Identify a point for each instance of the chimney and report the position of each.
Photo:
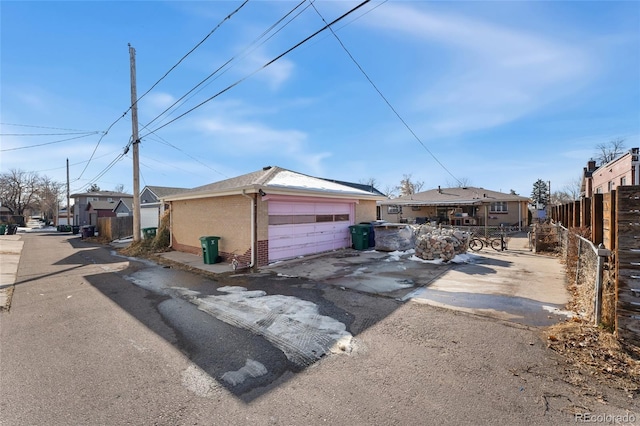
(591, 165)
(439, 190)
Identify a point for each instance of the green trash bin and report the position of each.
(149, 233)
(3, 229)
(360, 236)
(209, 249)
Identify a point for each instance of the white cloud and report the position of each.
(239, 136)
(496, 74)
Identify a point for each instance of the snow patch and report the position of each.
(251, 369)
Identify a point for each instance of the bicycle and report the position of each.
(477, 243)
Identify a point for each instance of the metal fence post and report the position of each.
(602, 253)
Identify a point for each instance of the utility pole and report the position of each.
(136, 163)
(68, 205)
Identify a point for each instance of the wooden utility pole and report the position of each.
(68, 205)
(136, 164)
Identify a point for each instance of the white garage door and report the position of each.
(300, 228)
(149, 217)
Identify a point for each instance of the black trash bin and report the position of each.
(12, 229)
(88, 231)
(75, 229)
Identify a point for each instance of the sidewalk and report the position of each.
(10, 250)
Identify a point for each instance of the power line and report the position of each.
(154, 85)
(164, 141)
(47, 143)
(45, 127)
(243, 54)
(49, 134)
(265, 65)
(385, 98)
(193, 49)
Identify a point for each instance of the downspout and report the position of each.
(170, 222)
(253, 228)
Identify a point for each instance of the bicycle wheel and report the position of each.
(475, 244)
(496, 244)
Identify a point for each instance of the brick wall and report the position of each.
(226, 217)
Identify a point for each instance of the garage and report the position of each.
(302, 228)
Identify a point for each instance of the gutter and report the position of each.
(253, 228)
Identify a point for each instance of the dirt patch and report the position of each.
(597, 353)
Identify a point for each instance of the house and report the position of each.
(151, 209)
(624, 170)
(124, 207)
(268, 215)
(459, 207)
(81, 200)
(62, 217)
(97, 209)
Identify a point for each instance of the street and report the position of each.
(94, 338)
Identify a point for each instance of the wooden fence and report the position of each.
(614, 220)
(114, 228)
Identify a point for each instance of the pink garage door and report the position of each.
(300, 228)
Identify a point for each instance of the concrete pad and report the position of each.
(196, 261)
(10, 250)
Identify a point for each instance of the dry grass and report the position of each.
(598, 353)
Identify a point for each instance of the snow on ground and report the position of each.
(293, 325)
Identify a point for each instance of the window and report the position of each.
(306, 218)
(498, 207)
(599, 190)
(394, 209)
(623, 180)
(415, 208)
(94, 199)
(610, 185)
(110, 200)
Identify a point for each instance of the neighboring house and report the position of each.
(62, 217)
(97, 209)
(151, 209)
(624, 170)
(124, 207)
(6, 214)
(81, 200)
(269, 215)
(459, 207)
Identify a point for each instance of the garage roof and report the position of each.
(276, 180)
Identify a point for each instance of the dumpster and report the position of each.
(209, 249)
(359, 236)
(88, 231)
(12, 229)
(3, 229)
(372, 235)
(75, 229)
(149, 233)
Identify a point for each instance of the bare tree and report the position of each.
(119, 188)
(94, 188)
(370, 182)
(18, 190)
(463, 182)
(608, 152)
(573, 189)
(408, 187)
(48, 197)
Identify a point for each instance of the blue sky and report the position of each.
(499, 94)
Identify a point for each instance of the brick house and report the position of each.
(268, 215)
(459, 207)
(624, 170)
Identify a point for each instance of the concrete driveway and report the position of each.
(515, 285)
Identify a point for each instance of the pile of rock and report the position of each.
(434, 243)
